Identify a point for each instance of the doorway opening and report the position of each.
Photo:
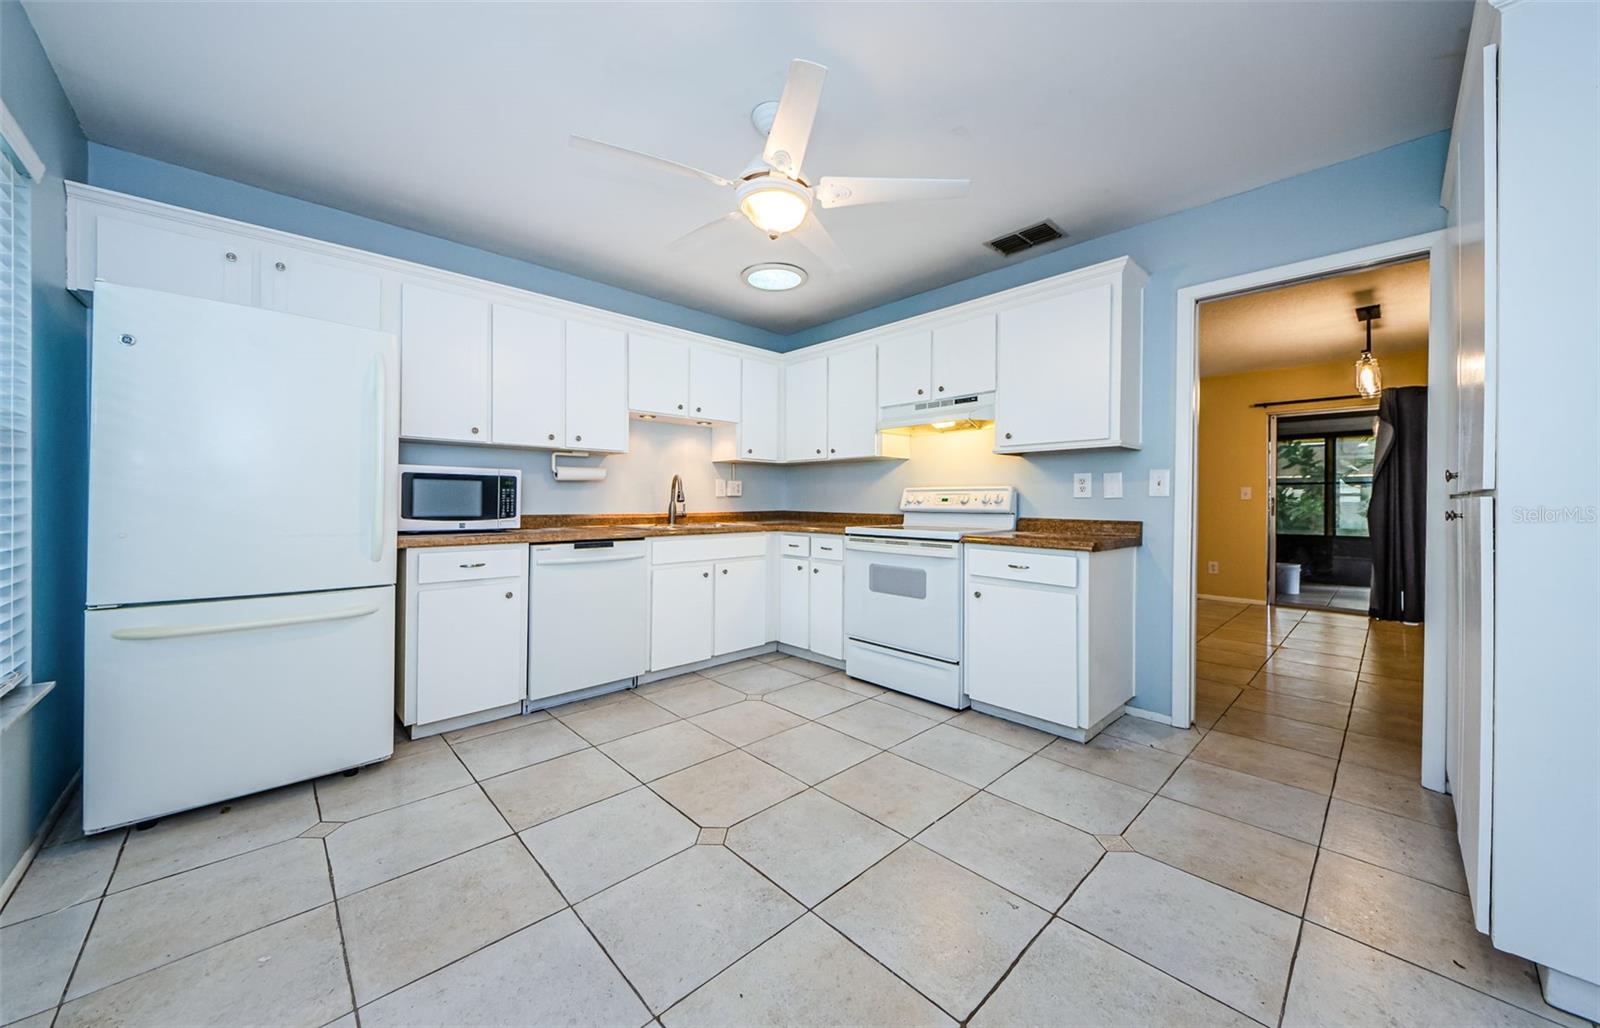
(1319, 488)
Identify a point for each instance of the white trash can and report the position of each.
(1289, 579)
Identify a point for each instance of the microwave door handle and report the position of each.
(380, 400)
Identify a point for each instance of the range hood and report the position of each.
(967, 411)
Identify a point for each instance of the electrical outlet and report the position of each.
(1112, 483)
(1082, 484)
(1160, 482)
(736, 488)
(1245, 492)
(720, 488)
(1211, 567)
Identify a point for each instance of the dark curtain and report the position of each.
(1397, 518)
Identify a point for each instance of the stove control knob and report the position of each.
(965, 499)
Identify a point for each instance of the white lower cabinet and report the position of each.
(1049, 636)
(794, 602)
(811, 593)
(708, 597)
(681, 615)
(826, 606)
(739, 615)
(464, 632)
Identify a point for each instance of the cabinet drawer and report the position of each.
(1034, 566)
(794, 546)
(827, 547)
(453, 564)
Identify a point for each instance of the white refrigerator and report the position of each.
(239, 630)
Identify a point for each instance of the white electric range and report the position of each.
(902, 607)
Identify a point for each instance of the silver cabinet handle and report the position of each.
(976, 594)
(281, 266)
(680, 406)
(751, 450)
(1008, 435)
(230, 257)
(1451, 476)
(724, 571)
(551, 436)
(919, 392)
(479, 564)
(816, 571)
(508, 596)
(180, 631)
(1017, 567)
(474, 429)
(577, 438)
(941, 389)
(800, 567)
(1452, 515)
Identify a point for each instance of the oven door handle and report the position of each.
(909, 548)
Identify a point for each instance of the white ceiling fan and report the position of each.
(772, 192)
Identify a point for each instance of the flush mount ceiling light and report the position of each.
(774, 278)
(1369, 377)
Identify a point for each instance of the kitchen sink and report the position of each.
(694, 524)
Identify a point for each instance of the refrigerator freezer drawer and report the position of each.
(192, 703)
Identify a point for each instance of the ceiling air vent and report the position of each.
(1025, 239)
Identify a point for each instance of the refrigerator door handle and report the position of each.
(181, 631)
(380, 401)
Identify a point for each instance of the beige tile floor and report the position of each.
(775, 842)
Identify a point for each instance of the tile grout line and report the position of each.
(338, 922)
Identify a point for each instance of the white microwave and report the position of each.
(437, 499)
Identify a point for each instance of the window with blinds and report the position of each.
(16, 301)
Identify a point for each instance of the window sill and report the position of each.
(15, 705)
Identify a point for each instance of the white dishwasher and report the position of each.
(588, 616)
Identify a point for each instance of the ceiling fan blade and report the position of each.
(612, 150)
(797, 109)
(847, 192)
(705, 231)
(815, 238)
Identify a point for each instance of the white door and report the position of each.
(1053, 370)
(192, 703)
(597, 388)
(472, 638)
(759, 405)
(444, 365)
(963, 357)
(658, 375)
(713, 384)
(904, 363)
(681, 603)
(794, 602)
(827, 608)
(1477, 261)
(805, 410)
(235, 451)
(1022, 649)
(530, 384)
(853, 403)
(741, 606)
(1474, 638)
(297, 282)
(206, 264)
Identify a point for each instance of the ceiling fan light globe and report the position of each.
(775, 206)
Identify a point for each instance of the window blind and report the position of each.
(16, 301)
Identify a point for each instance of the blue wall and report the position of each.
(43, 751)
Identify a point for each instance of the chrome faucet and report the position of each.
(676, 504)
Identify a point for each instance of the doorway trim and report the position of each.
(1271, 525)
(1433, 245)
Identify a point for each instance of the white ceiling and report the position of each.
(453, 118)
(1315, 322)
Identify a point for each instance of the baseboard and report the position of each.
(45, 828)
(1231, 599)
(1148, 715)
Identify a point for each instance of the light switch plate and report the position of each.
(1245, 492)
(721, 488)
(736, 488)
(1083, 484)
(1160, 482)
(1111, 484)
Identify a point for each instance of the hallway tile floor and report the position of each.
(775, 842)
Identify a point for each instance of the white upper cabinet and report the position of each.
(1067, 366)
(853, 403)
(755, 436)
(658, 375)
(597, 387)
(316, 286)
(805, 410)
(444, 365)
(714, 385)
(905, 368)
(963, 358)
(192, 262)
(530, 378)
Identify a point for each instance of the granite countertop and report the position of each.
(537, 529)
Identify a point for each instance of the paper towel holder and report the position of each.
(572, 473)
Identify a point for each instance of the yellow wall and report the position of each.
(1233, 454)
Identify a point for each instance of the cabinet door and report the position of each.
(471, 642)
(658, 375)
(904, 361)
(206, 264)
(759, 406)
(794, 604)
(1022, 649)
(314, 286)
(713, 385)
(1053, 370)
(805, 410)
(680, 615)
(827, 608)
(963, 357)
(741, 605)
(853, 403)
(444, 365)
(597, 387)
(530, 386)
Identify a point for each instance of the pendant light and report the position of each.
(1369, 377)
